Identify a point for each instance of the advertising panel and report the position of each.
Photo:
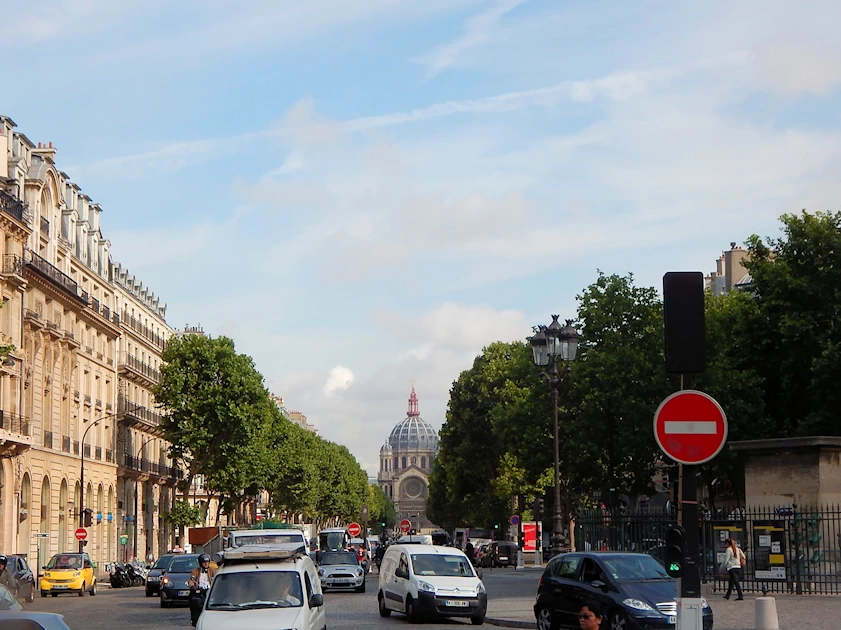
(769, 550)
(721, 532)
(529, 536)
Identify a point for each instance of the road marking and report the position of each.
(693, 427)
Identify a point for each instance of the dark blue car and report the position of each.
(633, 588)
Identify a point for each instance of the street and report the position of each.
(130, 608)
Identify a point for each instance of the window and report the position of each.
(591, 572)
(403, 461)
(566, 567)
(404, 563)
(423, 463)
(308, 585)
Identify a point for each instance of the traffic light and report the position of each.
(675, 546)
(87, 517)
(538, 509)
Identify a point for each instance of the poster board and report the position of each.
(721, 532)
(529, 536)
(769, 550)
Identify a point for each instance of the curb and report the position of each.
(511, 623)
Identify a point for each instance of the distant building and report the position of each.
(730, 272)
(192, 330)
(294, 416)
(405, 463)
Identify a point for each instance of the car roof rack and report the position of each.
(252, 553)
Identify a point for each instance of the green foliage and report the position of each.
(184, 514)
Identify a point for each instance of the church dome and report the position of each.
(413, 433)
(385, 449)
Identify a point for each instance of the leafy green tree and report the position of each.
(184, 514)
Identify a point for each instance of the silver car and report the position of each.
(340, 569)
(35, 620)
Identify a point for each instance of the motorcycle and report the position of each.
(120, 577)
(136, 575)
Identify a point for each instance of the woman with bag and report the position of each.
(734, 561)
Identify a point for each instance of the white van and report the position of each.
(430, 581)
(240, 537)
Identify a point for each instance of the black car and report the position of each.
(153, 579)
(174, 587)
(22, 574)
(633, 588)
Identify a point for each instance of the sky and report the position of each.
(365, 193)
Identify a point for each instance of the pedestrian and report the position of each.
(200, 580)
(6, 578)
(590, 615)
(468, 551)
(734, 561)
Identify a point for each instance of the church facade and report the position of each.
(405, 463)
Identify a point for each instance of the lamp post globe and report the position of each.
(550, 344)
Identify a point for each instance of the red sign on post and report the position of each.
(690, 427)
(81, 533)
(405, 526)
(354, 529)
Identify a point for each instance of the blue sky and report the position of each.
(363, 193)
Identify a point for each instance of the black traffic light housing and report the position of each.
(87, 517)
(538, 509)
(675, 551)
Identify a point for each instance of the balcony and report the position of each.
(33, 318)
(134, 414)
(131, 365)
(97, 452)
(14, 208)
(153, 469)
(13, 267)
(52, 273)
(54, 330)
(70, 338)
(108, 406)
(48, 439)
(87, 400)
(16, 425)
(98, 404)
(76, 395)
(45, 227)
(143, 330)
(65, 443)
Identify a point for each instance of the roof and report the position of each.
(415, 549)
(777, 444)
(252, 553)
(413, 433)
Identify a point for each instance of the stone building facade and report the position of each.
(405, 463)
(87, 340)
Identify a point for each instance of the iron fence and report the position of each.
(789, 549)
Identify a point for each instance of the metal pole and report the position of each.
(557, 518)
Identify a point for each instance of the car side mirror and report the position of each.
(316, 600)
(44, 567)
(401, 573)
(598, 584)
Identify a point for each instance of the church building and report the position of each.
(405, 463)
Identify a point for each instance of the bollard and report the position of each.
(520, 564)
(766, 614)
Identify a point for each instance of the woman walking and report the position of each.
(734, 560)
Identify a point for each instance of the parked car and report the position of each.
(23, 576)
(430, 581)
(340, 569)
(504, 553)
(32, 621)
(633, 588)
(174, 588)
(68, 573)
(153, 579)
(8, 601)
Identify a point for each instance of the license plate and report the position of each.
(183, 593)
(59, 587)
(503, 557)
(457, 603)
(341, 582)
(673, 620)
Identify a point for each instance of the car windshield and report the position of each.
(163, 562)
(183, 564)
(255, 589)
(633, 568)
(338, 557)
(65, 561)
(267, 539)
(433, 564)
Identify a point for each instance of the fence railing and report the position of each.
(794, 549)
(14, 424)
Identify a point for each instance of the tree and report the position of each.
(184, 514)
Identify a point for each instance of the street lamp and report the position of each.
(82, 478)
(549, 344)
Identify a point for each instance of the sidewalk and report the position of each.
(795, 612)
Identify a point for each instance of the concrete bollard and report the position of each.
(766, 614)
(520, 564)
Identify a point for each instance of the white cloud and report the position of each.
(339, 379)
(794, 69)
(478, 30)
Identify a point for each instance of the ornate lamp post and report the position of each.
(549, 344)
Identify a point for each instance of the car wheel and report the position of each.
(43, 593)
(164, 604)
(411, 613)
(93, 589)
(82, 592)
(618, 621)
(360, 588)
(545, 620)
(384, 612)
(478, 620)
(54, 594)
(149, 593)
(30, 596)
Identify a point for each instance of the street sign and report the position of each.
(515, 520)
(123, 539)
(354, 529)
(81, 533)
(405, 526)
(41, 535)
(690, 427)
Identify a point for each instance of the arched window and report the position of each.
(44, 528)
(403, 461)
(62, 515)
(423, 463)
(395, 464)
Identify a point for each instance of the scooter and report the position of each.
(119, 576)
(136, 576)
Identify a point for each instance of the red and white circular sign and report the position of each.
(81, 533)
(354, 529)
(405, 526)
(690, 427)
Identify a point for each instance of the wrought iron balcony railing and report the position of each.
(140, 367)
(137, 326)
(13, 207)
(14, 424)
(48, 439)
(13, 264)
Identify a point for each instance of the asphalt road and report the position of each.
(130, 608)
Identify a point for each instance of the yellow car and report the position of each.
(68, 573)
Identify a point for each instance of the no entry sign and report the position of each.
(354, 530)
(690, 427)
(405, 526)
(81, 533)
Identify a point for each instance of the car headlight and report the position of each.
(704, 603)
(636, 604)
(360, 572)
(480, 588)
(77, 574)
(321, 572)
(165, 581)
(426, 586)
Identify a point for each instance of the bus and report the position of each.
(333, 539)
